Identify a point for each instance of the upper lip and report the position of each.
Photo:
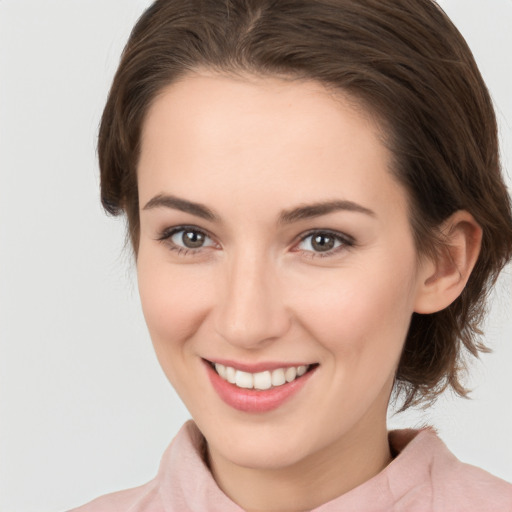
(257, 367)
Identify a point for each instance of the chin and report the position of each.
(268, 456)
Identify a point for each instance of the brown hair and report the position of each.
(406, 63)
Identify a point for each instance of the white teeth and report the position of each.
(290, 373)
(221, 370)
(261, 380)
(244, 380)
(278, 378)
(230, 374)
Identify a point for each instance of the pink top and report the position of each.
(425, 476)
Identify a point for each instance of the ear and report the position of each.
(442, 279)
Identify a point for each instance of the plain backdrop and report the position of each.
(84, 406)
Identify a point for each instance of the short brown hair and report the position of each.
(406, 63)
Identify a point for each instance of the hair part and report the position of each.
(407, 65)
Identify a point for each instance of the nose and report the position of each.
(250, 312)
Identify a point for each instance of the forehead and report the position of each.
(294, 141)
(213, 105)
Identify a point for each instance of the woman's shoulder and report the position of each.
(140, 498)
(452, 484)
(183, 482)
(135, 499)
(144, 497)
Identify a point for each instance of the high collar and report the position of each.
(184, 478)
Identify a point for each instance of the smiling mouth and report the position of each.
(261, 381)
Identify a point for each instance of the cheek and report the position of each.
(361, 321)
(174, 299)
(358, 313)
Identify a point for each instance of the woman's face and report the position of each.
(273, 238)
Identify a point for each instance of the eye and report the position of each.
(185, 239)
(324, 243)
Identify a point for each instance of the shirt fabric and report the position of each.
(424, 477)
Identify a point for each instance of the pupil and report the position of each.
(322, 242)
(192, 239)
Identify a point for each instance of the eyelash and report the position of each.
(346, 241)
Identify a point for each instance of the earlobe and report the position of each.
(442, 279)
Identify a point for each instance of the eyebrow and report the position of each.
(309, 211)
(176, 203)
(302, 212)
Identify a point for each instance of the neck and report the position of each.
(311, 482)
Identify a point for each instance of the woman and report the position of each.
(317, 213)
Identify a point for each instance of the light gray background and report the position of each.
(84, 406)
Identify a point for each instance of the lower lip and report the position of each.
(255, 401)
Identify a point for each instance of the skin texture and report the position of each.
(259, 291)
